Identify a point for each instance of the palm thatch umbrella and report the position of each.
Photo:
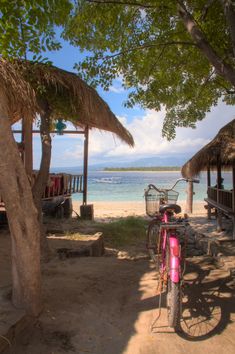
(20, 96)
(71, 99)
(221, 150)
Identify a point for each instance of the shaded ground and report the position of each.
(104, 305)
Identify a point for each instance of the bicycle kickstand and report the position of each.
(159, 307)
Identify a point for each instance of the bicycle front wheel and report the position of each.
(173, 304)
(174, 296)
(153, 239)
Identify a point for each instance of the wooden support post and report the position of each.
(219, 183)
(233, 176)
(233, 182)
(85, 165)
(27, 140)
(86, 211)
(189, 203)
(208, 185)
(219, 221)
(219, 179)
(208, 176)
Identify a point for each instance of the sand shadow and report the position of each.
(208, 301)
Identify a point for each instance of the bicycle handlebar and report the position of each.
(152, 186)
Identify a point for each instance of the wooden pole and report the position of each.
(208, 185)
(233, 176)
(208, 176)
(85, 165)
(233, 182)
(219, 176)
(189, 205)
(27, 139)
(219, 183)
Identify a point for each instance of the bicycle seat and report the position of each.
(164, 207)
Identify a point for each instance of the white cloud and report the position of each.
(117, 85)
(147, 130)
(116, 89)
(147, 133)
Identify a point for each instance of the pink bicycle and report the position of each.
(166, 243)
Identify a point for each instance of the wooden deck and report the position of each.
(62, 184)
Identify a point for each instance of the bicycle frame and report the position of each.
(165, 250)
(174, 245)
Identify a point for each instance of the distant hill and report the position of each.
(173, 160)
(167, 161)
(153, 168)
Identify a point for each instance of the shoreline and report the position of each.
(130, 208)
(138, 171)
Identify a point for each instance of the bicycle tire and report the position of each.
(173, 297)
(152, 240)
(173, 304)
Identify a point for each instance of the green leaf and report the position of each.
(156, 55)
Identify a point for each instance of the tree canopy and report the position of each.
(179, 55)
(28, 26)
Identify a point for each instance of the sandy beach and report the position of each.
(108, 209)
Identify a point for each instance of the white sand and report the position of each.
(122, 209)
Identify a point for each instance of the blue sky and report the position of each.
(145, 126)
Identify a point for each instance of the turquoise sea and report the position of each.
(129, 186)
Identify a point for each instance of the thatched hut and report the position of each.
(220, 151)
(62, 94)
(71, 99)
(218, 155)
(20, 96)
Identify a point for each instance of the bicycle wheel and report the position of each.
(173, 304)
(173, 297)
(153, 239)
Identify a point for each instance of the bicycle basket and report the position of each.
(152, 201)
(171, 196)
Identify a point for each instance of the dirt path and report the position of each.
(106, 305)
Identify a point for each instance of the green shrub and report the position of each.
(125, 231)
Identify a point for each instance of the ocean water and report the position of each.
(130, 186)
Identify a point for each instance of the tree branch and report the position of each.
(228, 91)
(130, 3)
(222, 68)
(230, 19)
(205, 9)
(150, 45)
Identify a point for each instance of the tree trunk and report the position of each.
(42, 176)
(223, 69)
(22, 218)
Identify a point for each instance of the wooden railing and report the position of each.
(63, 184)
(222, 197)
(60, 185)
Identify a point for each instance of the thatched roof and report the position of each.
(220, 149)
(19, 93)
(71, 99)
